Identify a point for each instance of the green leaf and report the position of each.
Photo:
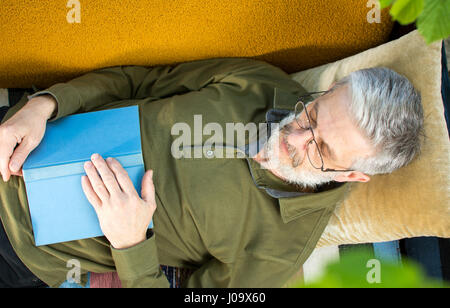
(434, 22)
(406, 11)
(385, 3)
(353, 271)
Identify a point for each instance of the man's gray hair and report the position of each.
(388, 110)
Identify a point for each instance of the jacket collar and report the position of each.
(296, 207)
(295, 202)
(287, 99)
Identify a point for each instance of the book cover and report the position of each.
(60, 212)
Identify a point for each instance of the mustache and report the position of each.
(285, 131)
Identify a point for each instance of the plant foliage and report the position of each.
(432, 17)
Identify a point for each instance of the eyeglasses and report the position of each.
(312, 149)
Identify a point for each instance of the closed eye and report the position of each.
(313, 116)
(325, 150)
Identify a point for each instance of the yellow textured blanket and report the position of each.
(48, 41)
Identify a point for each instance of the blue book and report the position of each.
(60, 212)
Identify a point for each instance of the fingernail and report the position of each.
(109, 160)
(95, 156)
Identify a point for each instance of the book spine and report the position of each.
(77, 168)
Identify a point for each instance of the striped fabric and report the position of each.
(3, 111)
(176, 276)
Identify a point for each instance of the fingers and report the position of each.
(7, 144)
(25, 129)
(112, 179)
(12, 165)
(148, 188)
(20, 154)
(18, 173)
(96, 182)
(4, 169)
(90, 193)
(106, 174)
(121, 175)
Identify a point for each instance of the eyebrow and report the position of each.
(329, 150)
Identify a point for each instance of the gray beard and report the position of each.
(292, 173)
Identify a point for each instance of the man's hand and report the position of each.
(22, 133)
(124, 217)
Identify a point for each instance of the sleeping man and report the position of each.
(250, 219)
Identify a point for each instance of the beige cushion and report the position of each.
(412, 201)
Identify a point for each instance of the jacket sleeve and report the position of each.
(138, 266)
(99, 88)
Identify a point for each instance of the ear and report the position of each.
(352, 176)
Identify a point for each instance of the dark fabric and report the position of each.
(13, 273)
(445, 86)
(3, 111)
(15, 94)
(176, 276)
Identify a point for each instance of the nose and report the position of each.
(299, 138)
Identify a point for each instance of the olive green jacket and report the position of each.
(228, 219)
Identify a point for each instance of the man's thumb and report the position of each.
(148, 189)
